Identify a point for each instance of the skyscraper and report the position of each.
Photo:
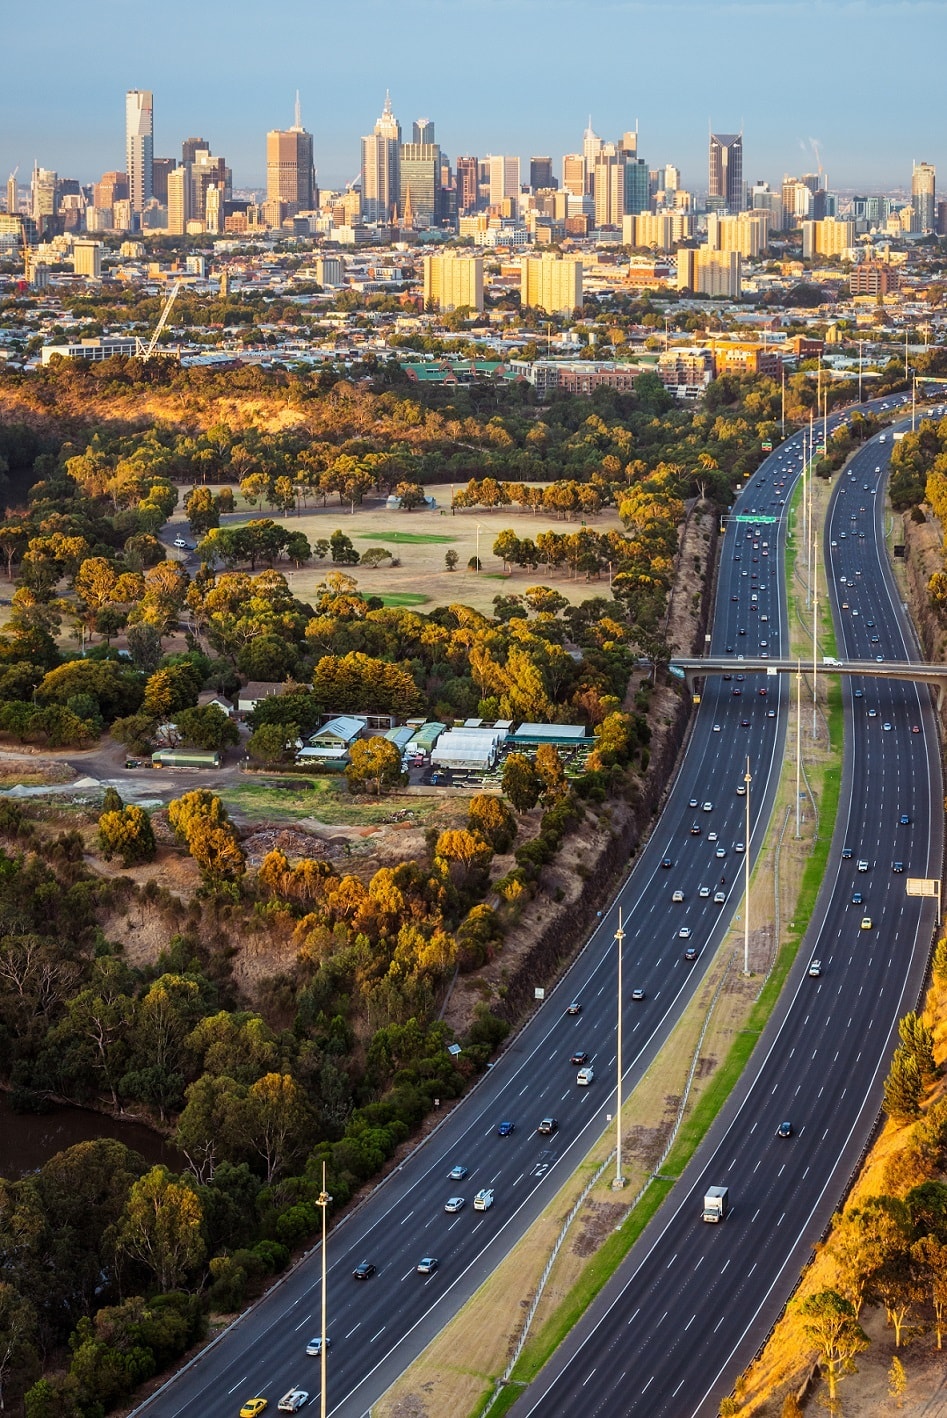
(139, 146)
(923, 197)
(504, 179)
(419, 176)
(573, 174)
(540, 175)
(620, 185)
(467, 182)
(381, 163)
(591, 147)
(725, 176)
(290, 175)
(13, 196)
(422, 131)
(43, 195)
(551, 283)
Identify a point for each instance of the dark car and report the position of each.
(505, 1128)
(666, 863)
(695, 829)
(690, 953)
(904, 819)
(363, 1270)
(574, 1008)
(784, 1130)
(579, 1057)
(548, 1126)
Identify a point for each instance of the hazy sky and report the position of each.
(861, 77)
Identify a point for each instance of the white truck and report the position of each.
(483, 1200)
(716, 1203)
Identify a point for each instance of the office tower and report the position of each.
(725, 178)
(798, 202)
(419, 178)
(208, 172)
(453, 281)
(422, 131)
(540, 175)
(290, 175)
(43, 198)
(923, 197)
(87, 259)
(672, 177)
(591, 147)
(190, 146)
(827, 238)
(381, 160)
(467, 182)
(179, 199)
(504, 179)
(160, 168)
(620, 185)
(139, 146)
(551, 283)
(573, 174)
(13, 196)
(710, 272)
(111, 187)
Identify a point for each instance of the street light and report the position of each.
(323, 1201)
(746, 872)
(619, 1180)
(861, 353)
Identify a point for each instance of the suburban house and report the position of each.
(256, 690)
(332, 742)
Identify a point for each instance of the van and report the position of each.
(584, 1077)
(483, 1200)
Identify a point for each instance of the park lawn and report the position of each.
(404, 538)
(403, 598)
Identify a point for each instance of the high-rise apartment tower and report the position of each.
(139, 146)
(725, 175)
(923, 197)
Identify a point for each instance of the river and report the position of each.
(27, 1140)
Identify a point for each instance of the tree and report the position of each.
(551, 772)
(273, 743)
(200, 820)
(212, 1126)
(374, 763)
(202, 511)
(829, 1323)
(128, 835)
(897, 1381)
(208, 727)
(144, 646)
(520, 782)
(161, 1227)
(17, 1327)
(930, 1255)
(451, 559)
(903, 1087)
(917, 1038)
(490, 818)
(343, 552)
(374, 557)
(463, 855)
(280, 1119)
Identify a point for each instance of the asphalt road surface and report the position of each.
(690, 1307)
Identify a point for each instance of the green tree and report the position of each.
(375, 764)
(128, 835)
(202, 511)
(917, 1038)
(520, 782)
(161, 1227)
(213, 1124)
(897, 1381)
(903, 1087)
(17, 1353)
(829, 1323)
(273, 743)
(343, 552)
(551, 772)
(208, 727)
(451, 559)
(280, 1120)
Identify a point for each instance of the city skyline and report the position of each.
(777, 83)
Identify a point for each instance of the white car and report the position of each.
(584, 1076)
(677, 896)
(704, 892)
(454, 1203)
(294, 1400)
(720, 897)
(685, 933)
(314, 1347)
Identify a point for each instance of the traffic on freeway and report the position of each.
(691, 1305)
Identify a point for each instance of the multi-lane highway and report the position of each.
(377, 1326)
(689, 1308)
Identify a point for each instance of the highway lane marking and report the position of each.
(686, 1328)
(635, 1315)
(754, 1216)
(524, 1090)
(671, 1261)
(300, 1325)
(375, 1336)
(406, 1218)
(352, 1331)
(236, 1386)
(404, 1277)
(719, 1323)
(648, 1384)
(588, 1379)
(521, 1176)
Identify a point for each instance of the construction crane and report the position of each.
(145, 352)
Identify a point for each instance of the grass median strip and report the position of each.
(461, 1370)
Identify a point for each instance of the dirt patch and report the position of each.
(600, 1219)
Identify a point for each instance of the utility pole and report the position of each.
(861, 354)
(798, 747)
(619, 1180)
(746, 869)
(323, 1201)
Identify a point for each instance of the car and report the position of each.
(454, 1203)
(872, 713)
(704, 892)
(580, 1056)
(859, 694)
(866, 923)
(666, 865)
(862, 865)
(736, 691)
(677, 896)
(684, 933)
(741, 790)
(712, 836)
(784, 1130)
(744, 723)
(879, 659)
(314, 1347)
(904, 819)
(716, 728)
(692, 803)
(574, 1008)
(584, 1076)
(505, 1128)
(484, 1199)
(637, 994)
(708, 807)
(915, 728)
(695, 829)
(720, 852)
(857, 898)
(886, 726)
(719, 897)
(294, 1400)
(547, 1127)
(846, 853)
(363, 1271)
(253, 1406)
(874, 640)
(897, 866)
(739, 847)
(690, 953)
(182, 544)
(457, 1174)
(427, 1265)
(815, 969)
(771, 713)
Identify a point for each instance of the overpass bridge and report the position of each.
(693, 668)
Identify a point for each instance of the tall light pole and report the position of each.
(619, 1180)
(861, 354)
(782, 415)
(798, 745)
(914, 404)
(478, 548)
(323, 1201)
(746, 872)
(815, 635)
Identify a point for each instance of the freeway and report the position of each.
(379, 1325)
(692, 1303)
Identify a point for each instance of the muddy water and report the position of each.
(27, 1140)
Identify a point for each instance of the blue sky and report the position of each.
(861, 77)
